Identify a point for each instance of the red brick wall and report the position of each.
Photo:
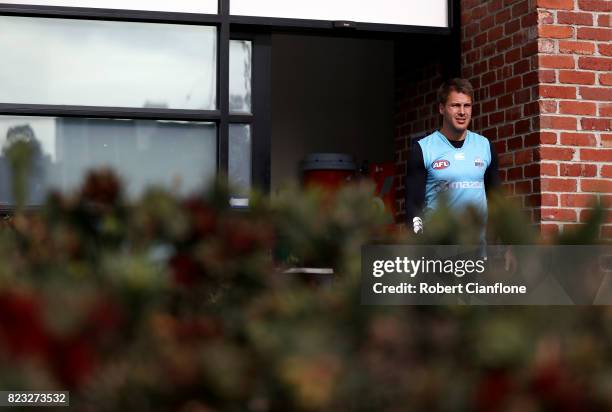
(499, 56)
(575, 65)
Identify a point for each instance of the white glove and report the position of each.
(417, 225)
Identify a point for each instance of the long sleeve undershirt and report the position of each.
(416, 178)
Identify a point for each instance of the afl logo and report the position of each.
(440, 164)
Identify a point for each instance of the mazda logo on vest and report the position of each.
(440, 164)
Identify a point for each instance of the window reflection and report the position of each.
(240, 158)
(106, 63)
(240, 76)
(179, 155)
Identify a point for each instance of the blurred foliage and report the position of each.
(20, 154)
(168, 304)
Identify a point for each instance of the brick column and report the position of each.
(499, 57)
(575, 66)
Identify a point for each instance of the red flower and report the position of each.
(185, 270)
(493, 390)
(203, 217)
(104, 320)
(21, 326)
(243, 237)
(552, 384)
(74, 361)
(202, 327)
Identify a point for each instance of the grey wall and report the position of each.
(330, 95)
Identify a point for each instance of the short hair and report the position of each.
(455, 85)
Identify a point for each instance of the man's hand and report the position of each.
(417, 225)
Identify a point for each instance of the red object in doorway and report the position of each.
(327, 179)
(328, 171)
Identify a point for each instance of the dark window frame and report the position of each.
(222, 17)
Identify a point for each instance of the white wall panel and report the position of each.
(183, 6)
(405, 12)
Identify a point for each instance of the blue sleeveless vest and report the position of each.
(457, 174)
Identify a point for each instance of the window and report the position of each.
(242, 121)
(106, 63)
(240, 76)
(178, 155)
(239, 169)
(141, 97)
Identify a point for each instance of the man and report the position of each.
(452, 162)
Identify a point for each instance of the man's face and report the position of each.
(457, 112)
